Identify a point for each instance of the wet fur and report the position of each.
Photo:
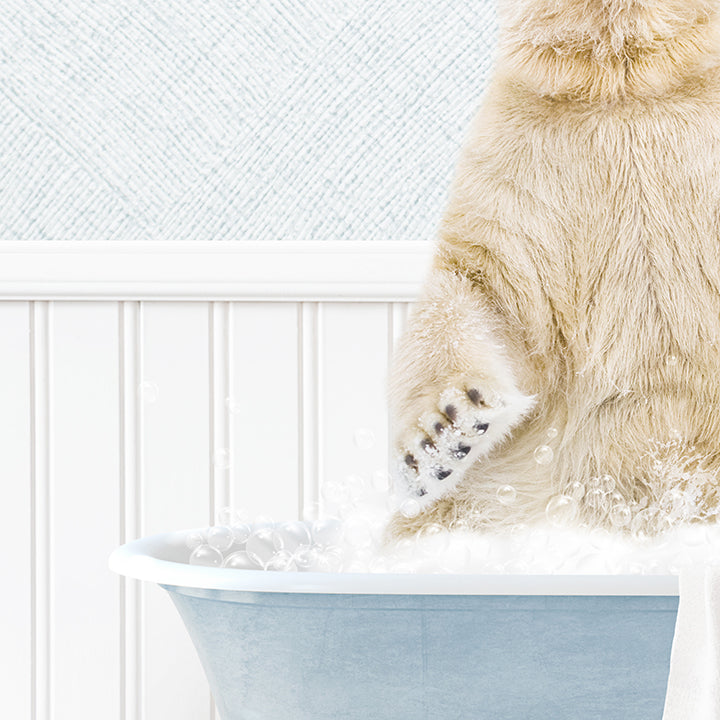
(578, 260)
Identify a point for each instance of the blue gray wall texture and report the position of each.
(235, 120)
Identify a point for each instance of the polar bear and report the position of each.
(567, 340)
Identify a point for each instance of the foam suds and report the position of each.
(356, 545)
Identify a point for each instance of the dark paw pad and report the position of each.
(451, 412)
(442, 473)
(411, 462)
(481, 427)
(475, 397)
(461, 451)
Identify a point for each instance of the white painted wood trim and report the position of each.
(289, 271)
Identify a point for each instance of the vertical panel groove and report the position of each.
(397, 317)
(130, 660)
(138, 636)
(212, 407)
(229, 403)
(300, 410)
(220, 398)
(309, 405)
(40, 352)
(221, 452)
(391, 330)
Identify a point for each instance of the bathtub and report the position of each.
(301, 646)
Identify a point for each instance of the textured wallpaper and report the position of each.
(235, 120)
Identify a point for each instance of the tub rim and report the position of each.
(142, 559)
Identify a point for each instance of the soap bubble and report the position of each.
(306, 557)
(149, 392)
(282, 561)
(598, 500)
(355, 487)
(329, 560)
(460, 525)
(577, 490)
(221, 458)
(194, 539)
(221, 538)
(294, 534)
(518, 529)
(263, 544)
(543, 455)
(561, 511)
(240, 560)
(506, 494)
(334, 492)
(206, 555)
(552, 433)
(364, 438)
(327, 531)
(233, 406)
(620, 515)
(606, 483)
(228, 516)
(675, 504)
(410, 508)
(241, 533)
(671, 360)
(643, 525)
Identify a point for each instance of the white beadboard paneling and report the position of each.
(399, 313)
(85, 510)
(222, 407)
(264, 404)
(354, 352)
(134, 417)
(42, 437)
(130, 505)
(157, 270)
(16, 651)
(175, 407)
(309, 440)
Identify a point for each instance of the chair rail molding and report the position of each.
(382, 271)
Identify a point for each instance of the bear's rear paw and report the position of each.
(452, 434)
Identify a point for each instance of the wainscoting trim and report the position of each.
(348, 271)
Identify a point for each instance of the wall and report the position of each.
(140, 397)
(234, 119)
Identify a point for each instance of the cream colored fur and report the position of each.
(576, 281)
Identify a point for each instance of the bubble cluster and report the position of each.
(600, 524)
(269, 545)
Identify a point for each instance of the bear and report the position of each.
(564, 352)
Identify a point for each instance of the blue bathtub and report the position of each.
(301, 646)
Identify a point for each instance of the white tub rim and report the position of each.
(146, 559)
